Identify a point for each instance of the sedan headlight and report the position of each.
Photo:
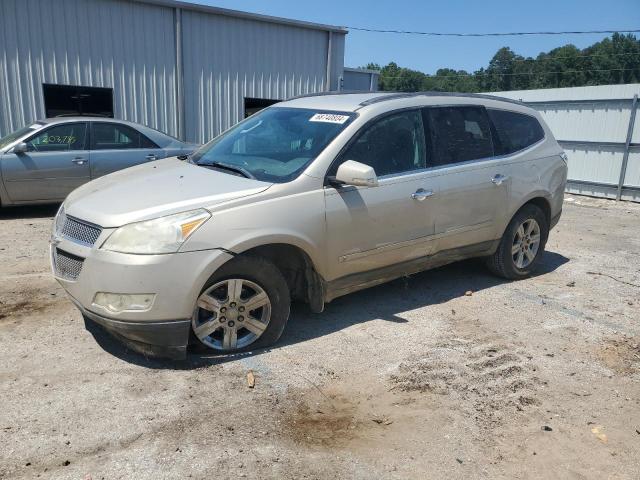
(160, 235)
(59, 221)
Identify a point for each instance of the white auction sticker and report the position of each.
(329, 118)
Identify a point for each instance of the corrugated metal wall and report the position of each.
(355, 79)
(130, 46)
(103, 43)
(228, 59)
(591, 123)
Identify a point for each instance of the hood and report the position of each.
(153, 190)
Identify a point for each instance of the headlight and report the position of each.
(58, 222)
(160, 235)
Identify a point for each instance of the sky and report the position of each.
(427, 54)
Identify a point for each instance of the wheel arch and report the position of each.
(543, 204)
(540, 199)
(297, 267)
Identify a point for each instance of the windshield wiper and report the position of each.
(231, 168)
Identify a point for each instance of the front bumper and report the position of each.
(155, 339)
(175, 279)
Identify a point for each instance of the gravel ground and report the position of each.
(412, 379)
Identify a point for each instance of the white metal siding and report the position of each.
(594, 164)
(102, 43)
(130, 46)
(354, 80)
(595, 122)
(228, 59)
(632, 178)
(592, 115)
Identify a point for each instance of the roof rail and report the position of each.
(332, 92)
(397, 95)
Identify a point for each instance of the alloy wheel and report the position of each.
(231, 314)
(526, 243)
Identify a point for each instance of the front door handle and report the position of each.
(151, 156)
(498, 179)
(79, 160)
(421, 194)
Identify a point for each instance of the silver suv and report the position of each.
(310, 199)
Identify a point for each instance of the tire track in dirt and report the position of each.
(490, 379)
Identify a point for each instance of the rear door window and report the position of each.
(458, 134)
(514, 131)
(114, 136)
(59, 138)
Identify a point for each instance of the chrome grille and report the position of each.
(66, 265)
(80, 232)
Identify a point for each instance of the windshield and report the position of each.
(274, 145)
(12, 137)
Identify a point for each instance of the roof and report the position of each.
(594, 92)
(83, 118)
(350, 101)
(245, 15)
(361, 70)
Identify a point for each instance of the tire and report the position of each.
(255, 275)
(505, 262)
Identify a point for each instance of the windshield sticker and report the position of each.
(329, 118)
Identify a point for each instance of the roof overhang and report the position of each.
(245, 15)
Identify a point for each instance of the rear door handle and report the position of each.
(421, 194)
(151, 156)
(499, 178)
(79, 160)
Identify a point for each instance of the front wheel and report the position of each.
(522, 244)
(244, 305)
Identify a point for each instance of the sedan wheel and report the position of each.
(231, 314)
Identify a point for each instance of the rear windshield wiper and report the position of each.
(231, 168)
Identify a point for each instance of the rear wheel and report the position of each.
(522, 244)
(244, 305)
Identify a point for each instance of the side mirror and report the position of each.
(356, 173)
(21, 148)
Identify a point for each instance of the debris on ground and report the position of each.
(572, 283)
(546, 428)
(468, 293)
(382, 420)
(251, 379)
(599, 435)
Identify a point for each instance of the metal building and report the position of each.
(598, 130)
(189, 70)
(360, 79)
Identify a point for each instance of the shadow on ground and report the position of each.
(384, 302)
(29, 211)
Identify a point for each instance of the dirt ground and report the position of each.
(409, 380)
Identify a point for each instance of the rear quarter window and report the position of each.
(514, 131)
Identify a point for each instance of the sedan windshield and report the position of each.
(12, 137)
(274, 145)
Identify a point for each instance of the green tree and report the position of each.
(610, 61)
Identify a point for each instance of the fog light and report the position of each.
(123, 302)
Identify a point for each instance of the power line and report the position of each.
(493, 34)
(543, 56)
(519, 73)
(548, 56)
